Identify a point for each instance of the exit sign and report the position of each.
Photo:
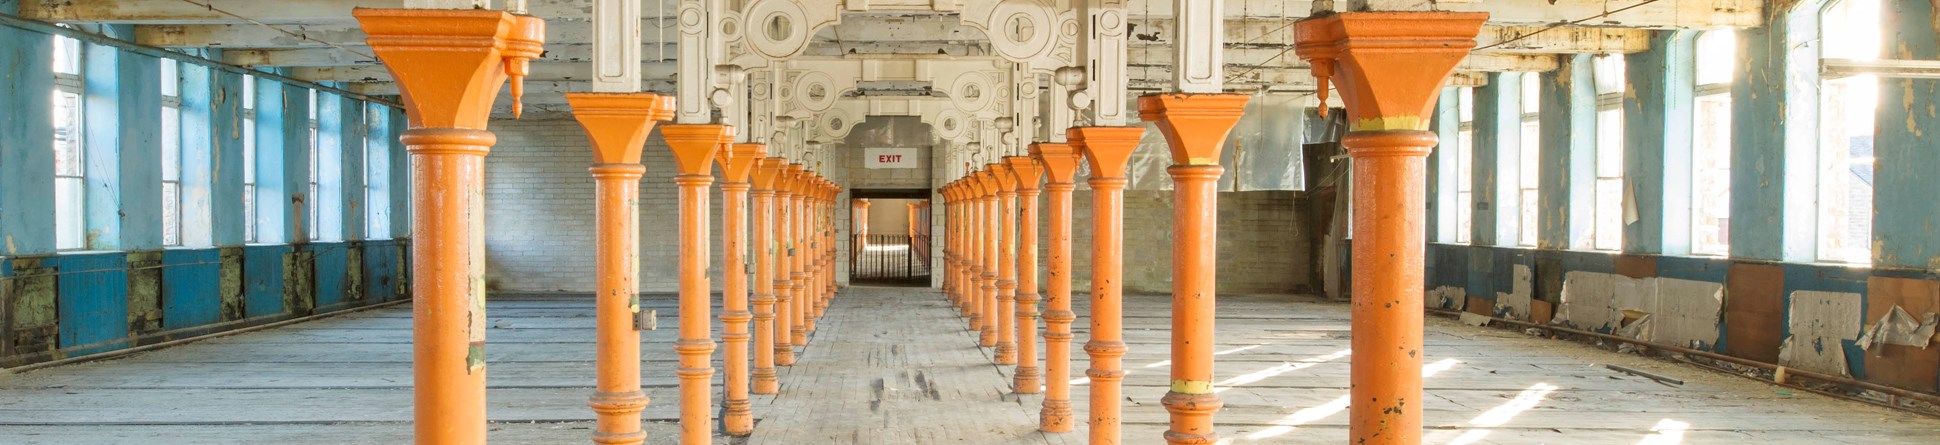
(890, 158)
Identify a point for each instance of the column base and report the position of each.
(1027, 381)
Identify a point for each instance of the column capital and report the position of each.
(1108, 149)
(1025, 171)
(617, 124)
(1005, 177)
(767, 172)
(449, 63)
(1195, 125)
(738, 162)
(1388, 66)
(695, 145)
(1059, 161)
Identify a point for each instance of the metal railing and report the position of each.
(888, 258)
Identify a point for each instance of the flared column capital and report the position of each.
(739, 161)
(1195, 125)
(695, 145)
(448, 63)
(1026, 171)
(1388, 66)
(1108, 149)
(617, 124)
(1059, 161)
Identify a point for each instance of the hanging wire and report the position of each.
(298, 35)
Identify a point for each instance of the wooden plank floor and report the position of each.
(896, 366)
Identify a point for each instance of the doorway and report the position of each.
(890, 242)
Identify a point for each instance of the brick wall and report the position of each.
(1261, 247)
(539, 211)
(539, 215)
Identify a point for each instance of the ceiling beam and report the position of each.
(1667, 14)
(541, 71)
(1278, 33)
(360, 55)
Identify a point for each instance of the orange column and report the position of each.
(949, 244)
(450, 65)
(987, 226)
(737, 163)
(973, 224)
(956, 241)
(1006, 263)
(1389, 68)
(1195, 127)
(1108, 149)
(811, 254)
(785, 300)
(1060, 163)
(765, 172)
(694, 147)
(617, 125)
(825, 213)
(798, 255)
(1026, 379)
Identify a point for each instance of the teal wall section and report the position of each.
(1906, 216)
(1657, 121)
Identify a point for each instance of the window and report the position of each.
(377, 165)
(1849, 29)
(249, 158)
(1465, 167)
(1610, 208)
(70, 180)
(171, 154)
(1717, 55)
(314, 199)
(1529, 161)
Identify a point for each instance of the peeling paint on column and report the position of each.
(475, 259)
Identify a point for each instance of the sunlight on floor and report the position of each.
(1325, 410)
(1277, 370)
(1501, 414)
(1669, 432)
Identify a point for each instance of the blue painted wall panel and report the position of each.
(380, 271)
(332, 270)
(191, 292)
(1693, 268)
(263, 280)
(93, 301)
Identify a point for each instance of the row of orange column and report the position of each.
(1389, 67)
(450, 65)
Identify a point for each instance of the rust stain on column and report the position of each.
(1389, 68)
(694, 147)
(450, 65)
(617, 125)
(1006, 263)
(737, 163)
(1108, 149)
(1060, 162)
(1195, 127)
(765, 172)
(1026, 379)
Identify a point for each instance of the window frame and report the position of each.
(69, 88)
(1609, 104)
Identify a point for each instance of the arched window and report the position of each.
(1848, 29)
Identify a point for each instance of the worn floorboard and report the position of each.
(897, 366)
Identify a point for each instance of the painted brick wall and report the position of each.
(539, 211)
(1261, 247)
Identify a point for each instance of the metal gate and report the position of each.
(888, 258)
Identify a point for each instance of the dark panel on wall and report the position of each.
(1754, 311)
(380, 271)
(263, 280)
(233, 285)
(32, 316)
(144, 292)
(299, 281)
(1902, 366)
(1712, 269)
(1636, 266)
(93, 301)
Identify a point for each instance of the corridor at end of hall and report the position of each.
(896, 366)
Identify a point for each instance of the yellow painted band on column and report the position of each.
(1192, 387)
